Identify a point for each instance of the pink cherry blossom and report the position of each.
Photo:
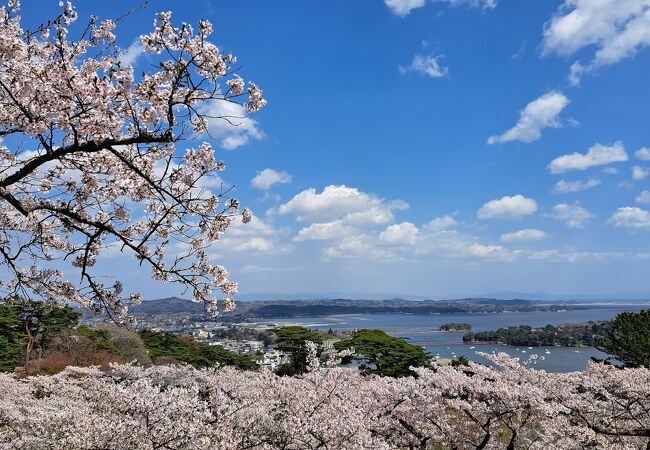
(445, 407)
(83, 142)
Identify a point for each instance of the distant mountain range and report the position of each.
(504, 295)
(634, 296)
(278, 308)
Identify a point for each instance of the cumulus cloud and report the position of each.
(455, 244)
(531, 234)
(268, 177)
(573, 215)
(427, 65)
(639, 173)
(598, 155)
(400, 234)
(507, 207)
(400, 241)
(487, 251)
(230, 125)
(616, 28)
(541, 113)
(349, 204)
(254, 244)
(357, 246)
(258, 236)
(327, 231)
(643, 197)
(566, 187)
(630, 217)
(440, 223)
(643, 154)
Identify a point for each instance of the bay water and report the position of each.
(422, 329)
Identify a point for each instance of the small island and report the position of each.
(455, 327)
(567, 335)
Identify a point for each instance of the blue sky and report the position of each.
(431, 147)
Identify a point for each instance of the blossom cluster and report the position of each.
(443, 407)
(91, 159)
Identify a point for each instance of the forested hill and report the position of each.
(312, 308)
(568, 335)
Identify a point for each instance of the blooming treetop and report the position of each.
(83, 142)
(474, 407)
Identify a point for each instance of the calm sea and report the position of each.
(421, 329)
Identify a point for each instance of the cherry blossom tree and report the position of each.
(469, 407)
(93, 156)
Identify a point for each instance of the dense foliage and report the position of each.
(28, 327)
(169, 348)
(381, 354)
(12, 338)
(325, 307)
(628, 338)
(569, 335)
(469, 407)
(452, 326)
(293, 339)
(242, 333)
(42, 321)
(53, 334)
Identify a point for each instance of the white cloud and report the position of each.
(575, 73)
(351, 205)
(541, 113)
(598, 155)
(401, 234)
(630, 217)
(230, 124)
(573, 215)
(519, 53)
(255, 244)
(565, 187)
(454, 244)
(643, 154)
(487, 251)
(610, 170)
(323, 232)
(440, 223)
(268, 177)
(401, 241)
(427, 65)
(258, 236)
(484, 4)
(617, 28)
(359, 246)
(643, 197)
(523, 235)
(639, 173)
(404, 7)
(507, 207)
(574, 122)
(129, 56)
(376, 215)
